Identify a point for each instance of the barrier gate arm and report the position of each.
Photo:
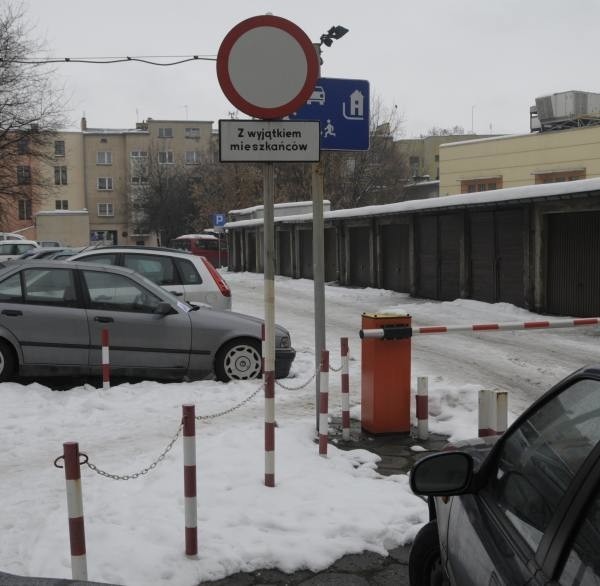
(399, 332)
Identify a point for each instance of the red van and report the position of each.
(211, 247)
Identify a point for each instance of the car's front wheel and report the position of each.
(7, 361)
(238, 360)
(425, 560)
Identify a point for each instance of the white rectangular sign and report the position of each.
(269, 141)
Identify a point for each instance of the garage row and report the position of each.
(537, 247)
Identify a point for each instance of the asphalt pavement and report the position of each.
(367, 568)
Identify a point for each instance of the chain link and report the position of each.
(141, 472)
(303, 385)
(230, 410)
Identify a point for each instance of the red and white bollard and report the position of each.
(105, 361)
(345, 391)
(189, 480)
(269, 382)
(324, 403)
(493, 412)
(75, 511)
(422, 408)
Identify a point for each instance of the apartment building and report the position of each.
(102, 170)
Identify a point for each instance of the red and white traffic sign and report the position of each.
(267, 67)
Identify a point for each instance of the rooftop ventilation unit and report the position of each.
(565, 110)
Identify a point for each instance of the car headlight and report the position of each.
(284, 342)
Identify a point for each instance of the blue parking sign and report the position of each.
(342, 107)
(219, 220)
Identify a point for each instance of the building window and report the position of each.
(139, 180)
(192, 133)
(23, 146)
(105, 209)
(192, 157)
(23, 175)
(60, 175)
(62, 204)
(59, 148)
(559, 176)
(24, 209)
(414, 166)
(103, 158)
(475, 185)
(165, 133)
(166, 157)
(105, 183)
(139, 154)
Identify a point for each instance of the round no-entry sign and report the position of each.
(267, 67)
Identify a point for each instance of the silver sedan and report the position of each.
(52, 315)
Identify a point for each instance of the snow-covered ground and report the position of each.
(320, 509)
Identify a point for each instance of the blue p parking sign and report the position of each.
(219, 220)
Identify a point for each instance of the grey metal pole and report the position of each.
(318, 274)
(269, 342)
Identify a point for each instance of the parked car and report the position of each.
(52, 315)
(522, 509)
(185, 275)
(10, 249)
(210, 246)
(11, 236)
(39, 253)
(50, 243)
(50, 253)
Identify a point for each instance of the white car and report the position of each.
(10, 249)
(11, 236)
(191, 277)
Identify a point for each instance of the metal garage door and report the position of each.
(251, 252)
(573, 264)
(331, 255)
(394, 257)
(510, 253)
(427, 256)
(483, 257)
(359, 239)
(305, 250)
(284, 253)
(497, 255)
(450, 229)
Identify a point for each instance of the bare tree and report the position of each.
(31, 110)
(369, 177)
(164, 200)
(227, 186)
(437, 131)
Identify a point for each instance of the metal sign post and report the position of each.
(267, 67)
(342, 107)
(318, 238)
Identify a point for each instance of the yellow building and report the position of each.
(101, 170)
(512, 161)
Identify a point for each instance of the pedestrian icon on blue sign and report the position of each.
(342, 108)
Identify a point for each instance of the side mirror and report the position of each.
(163, 308)
(444, 474)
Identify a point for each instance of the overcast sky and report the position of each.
(471, 63)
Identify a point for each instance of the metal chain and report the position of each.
(220, 413)
(296, 388)
(141, 472)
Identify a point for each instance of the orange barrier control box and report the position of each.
(385, 376)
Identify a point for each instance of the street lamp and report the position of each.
(334, 33)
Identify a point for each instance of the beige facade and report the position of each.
(101, 170)
(422, 154)
(511, 161)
